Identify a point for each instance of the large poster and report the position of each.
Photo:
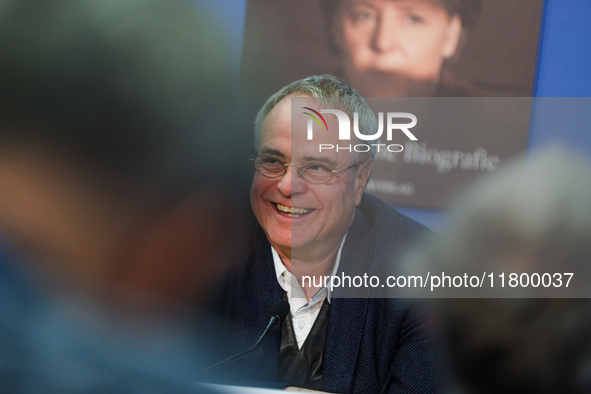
(410, 48)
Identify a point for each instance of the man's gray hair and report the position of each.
(331, 92)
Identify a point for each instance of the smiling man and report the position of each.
(313, 219)
(305, 211)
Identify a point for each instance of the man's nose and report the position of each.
(291, 183)
(386, 36)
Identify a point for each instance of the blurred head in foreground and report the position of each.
(112, 149)
(533, 216)
(397, 48)
(110, 140)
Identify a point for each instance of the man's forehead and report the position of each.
(268, 150)
(303, 158)
(285, 131)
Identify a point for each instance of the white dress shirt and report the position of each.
(303, 312)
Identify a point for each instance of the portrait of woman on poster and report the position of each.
(400, 48)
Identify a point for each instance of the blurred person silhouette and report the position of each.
(399, 48)
(114, 166)
(531, 216)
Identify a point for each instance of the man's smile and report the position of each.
(292, 212)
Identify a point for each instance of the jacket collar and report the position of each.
(348, 315)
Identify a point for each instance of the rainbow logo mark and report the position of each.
(315, 118)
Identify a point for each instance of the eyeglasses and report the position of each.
(313, 172)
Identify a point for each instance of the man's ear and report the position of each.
(452, 37)
(361, 179)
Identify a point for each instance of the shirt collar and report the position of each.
(281, 272)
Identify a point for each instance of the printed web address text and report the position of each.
(439, 281)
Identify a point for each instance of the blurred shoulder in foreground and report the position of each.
(114, 174)
(531, 218)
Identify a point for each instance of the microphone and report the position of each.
(278, 313)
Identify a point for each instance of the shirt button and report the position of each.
(302, 324)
